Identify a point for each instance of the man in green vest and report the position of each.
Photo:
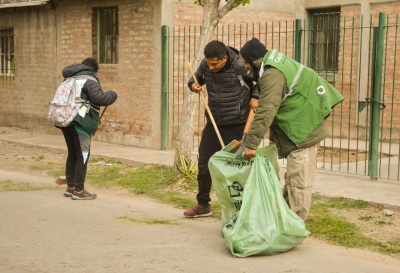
(294, 103)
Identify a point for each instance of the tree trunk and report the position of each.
(210, 20)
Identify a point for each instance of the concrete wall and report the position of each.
(25, 98)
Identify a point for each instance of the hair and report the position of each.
(215, 49)
(92, 64)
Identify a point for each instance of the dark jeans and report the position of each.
(209, 145)
(78, 146)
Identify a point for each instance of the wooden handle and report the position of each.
(249, 120)
(208, 109)
(102, 114)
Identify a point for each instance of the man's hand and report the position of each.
(253, 104)
(196, 88)
(249, 153)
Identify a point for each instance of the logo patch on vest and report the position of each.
(321, 93)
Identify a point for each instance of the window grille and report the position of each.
(324, 39)
(7, 64)
(108, 40)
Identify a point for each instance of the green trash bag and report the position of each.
(255, 217)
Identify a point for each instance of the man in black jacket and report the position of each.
(230, 91)
(78, 133)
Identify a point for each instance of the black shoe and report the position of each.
(83, 195)
(69, 192)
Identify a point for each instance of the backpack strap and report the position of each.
(87, 102)
(87, 77)
(235, 67)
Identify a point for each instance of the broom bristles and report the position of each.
(233, 146)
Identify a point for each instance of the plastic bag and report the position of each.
(255, 217)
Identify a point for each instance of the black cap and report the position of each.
(253, 50)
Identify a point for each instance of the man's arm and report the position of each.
(249, 79)
(272, 89)
(201, 70)
(246, 74)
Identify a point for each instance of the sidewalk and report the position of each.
(327, 183)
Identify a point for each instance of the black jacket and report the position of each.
(227, 98)
(91, 91)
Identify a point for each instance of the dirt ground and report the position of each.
(339, 156)
(24, 159)
(46, 232)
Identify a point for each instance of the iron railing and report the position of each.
(7, 62)
(364, 135)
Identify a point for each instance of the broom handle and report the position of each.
(208, 109)
(102, 114)
(249, 120)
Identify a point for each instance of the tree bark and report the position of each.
(210, 18)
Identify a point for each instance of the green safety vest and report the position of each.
(309, 100)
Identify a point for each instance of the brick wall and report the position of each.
(235, 29)
(129, 119)
(346, 116)
(346, 77)
(390, 116)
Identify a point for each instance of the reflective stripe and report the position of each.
(294, 82)
(261, 69)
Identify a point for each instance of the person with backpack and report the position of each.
(294, 103)
(230, 91)
(83, 120)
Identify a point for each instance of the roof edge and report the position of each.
(24, 4)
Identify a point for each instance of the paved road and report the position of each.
(42, 231)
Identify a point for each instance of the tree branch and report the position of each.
(227, 8)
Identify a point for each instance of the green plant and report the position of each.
(365, 218)
(187, 169)
(40, 157)
(383, 222)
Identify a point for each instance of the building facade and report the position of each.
(39, 38)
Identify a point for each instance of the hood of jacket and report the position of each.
(73, 69)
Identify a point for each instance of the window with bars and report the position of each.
(7, 65)
(324, 39)
(108, 35)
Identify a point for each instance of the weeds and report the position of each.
(6, 186)
(40, 157)
(187, 169)
(323, 223)
(365, 218)
(149, 221)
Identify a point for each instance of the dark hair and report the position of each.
(215, 49)
(92, 64)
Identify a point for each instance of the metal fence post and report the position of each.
(164, 88)
(375, 104)
(297, 49)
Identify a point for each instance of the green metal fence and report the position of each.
(356, 55)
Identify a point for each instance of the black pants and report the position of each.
(209, 145)
(78, 146)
